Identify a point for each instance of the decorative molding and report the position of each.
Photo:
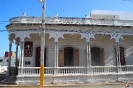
(116, 36)
(21, 34)
(105, 31)
(72, 20)
(87, 36)
(56, 35)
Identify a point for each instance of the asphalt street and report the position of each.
(98, 86)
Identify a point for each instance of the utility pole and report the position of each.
(42, 43)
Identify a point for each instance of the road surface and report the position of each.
(100, 86)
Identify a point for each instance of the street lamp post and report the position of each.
(42, 43)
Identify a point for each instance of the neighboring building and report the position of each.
(4, 61)
(98, 47)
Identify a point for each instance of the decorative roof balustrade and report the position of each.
(72, 20)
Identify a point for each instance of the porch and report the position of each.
(76, 74)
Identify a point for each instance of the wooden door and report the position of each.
(76, 57)
(122, 56)
(101, 56)
(61, 58)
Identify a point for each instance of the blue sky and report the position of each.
(65, 8)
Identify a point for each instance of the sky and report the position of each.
(65, 8)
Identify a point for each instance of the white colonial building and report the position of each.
(96, 48)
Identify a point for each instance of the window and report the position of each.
(27, 62)
(1, 60)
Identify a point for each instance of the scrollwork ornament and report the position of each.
(116, 36)
(56, 36)
(22, 35)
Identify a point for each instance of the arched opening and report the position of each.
(38, 53)
(97, 56)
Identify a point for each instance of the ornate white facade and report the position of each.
(75, 42)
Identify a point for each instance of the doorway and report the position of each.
(95, 56)
(38, 49)
(68, 56)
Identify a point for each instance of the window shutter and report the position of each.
(61, 58)
(102, 57)
(76, 57)
(45, 57)
(122, 56)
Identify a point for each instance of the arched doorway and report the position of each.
(69, 57)
(37, 62)
(97, 56)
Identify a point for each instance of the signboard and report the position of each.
(7, 54)
(28, 49)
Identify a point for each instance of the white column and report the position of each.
(16, 55)
(56, 36)
(88, 36)
(118, 54)
(88, 55)
(87, 64)
(56, 58)
(9, 60)
(117, 36)
(22, 54)
(57, 54)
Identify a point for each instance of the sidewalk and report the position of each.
(59, 85)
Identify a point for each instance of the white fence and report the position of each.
(77, 71)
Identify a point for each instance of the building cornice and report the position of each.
(70, 21)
